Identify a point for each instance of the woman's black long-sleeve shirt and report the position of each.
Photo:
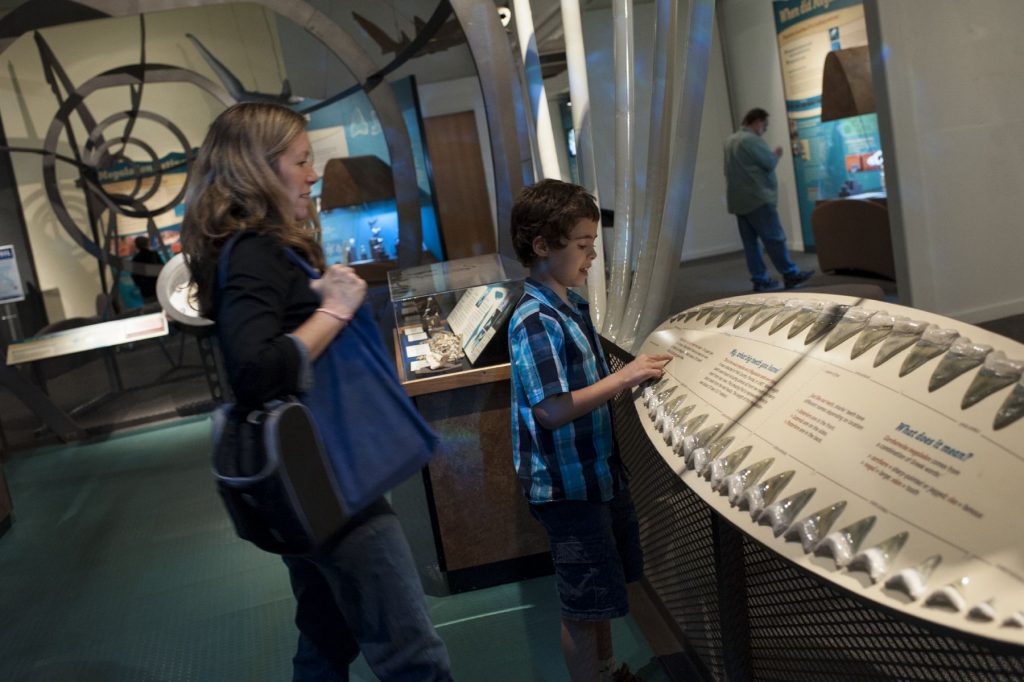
(265, 297)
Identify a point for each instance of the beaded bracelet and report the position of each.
(330, 313)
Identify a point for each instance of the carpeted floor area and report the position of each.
(121, 566)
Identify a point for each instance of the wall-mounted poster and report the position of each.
(10, 278)
(831, 159)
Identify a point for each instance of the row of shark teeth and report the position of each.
(838, 323)
(704, 451)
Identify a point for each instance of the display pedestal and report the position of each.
(483, 531)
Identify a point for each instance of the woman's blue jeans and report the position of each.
(362, 593)
(763, 223)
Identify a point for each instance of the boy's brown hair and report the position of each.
(549, 209)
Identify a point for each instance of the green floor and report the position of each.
(121, 565)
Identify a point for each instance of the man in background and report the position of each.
(751, 195)
(145, 283)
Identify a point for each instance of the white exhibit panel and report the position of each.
(877, 446)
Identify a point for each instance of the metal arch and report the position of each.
(339, 42)
(503, 106)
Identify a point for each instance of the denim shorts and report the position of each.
(595, 547)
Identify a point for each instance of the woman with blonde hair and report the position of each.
(250, 190)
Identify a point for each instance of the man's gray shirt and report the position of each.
(749, 172)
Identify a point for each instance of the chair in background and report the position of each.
(853, 235)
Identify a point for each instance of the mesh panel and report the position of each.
(792, 625)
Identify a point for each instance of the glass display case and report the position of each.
(453, 316)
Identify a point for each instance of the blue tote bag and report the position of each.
(373, 434)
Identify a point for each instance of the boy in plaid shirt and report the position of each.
(562, 442)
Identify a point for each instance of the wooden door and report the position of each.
(463, 204)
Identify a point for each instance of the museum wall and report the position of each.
(950, 97)
(238, 35)
(751, 55)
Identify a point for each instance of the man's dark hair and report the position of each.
(549, 209)
(755, 114)
(141, 243)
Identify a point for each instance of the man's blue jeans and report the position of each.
(763, 223)
(362, 593)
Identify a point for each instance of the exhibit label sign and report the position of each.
(10, 278)
(878, 446)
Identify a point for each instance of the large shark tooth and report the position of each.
(664, 410)
(1012, 408)
(825, 322)
(658, 400)
(702, 456)
(764, 493)
(905, 334)
(853, 321)
(736, 484)
(766, 313)
(723, 467)
(1015, 621)
(703, 311)
(779, 515)
(997, 372)
(750, 308)
(674, 435)
(963, 356)
(878, 327)
(729, 311)
(875, 561)
(843, 544)
(808, 314)
(698, 439)
(716, 310)
(950, 596)
(652, 390)
(790, 309)
(810, 530)
(912, 581)
(984, 611)
(934, 342)
(687, 428)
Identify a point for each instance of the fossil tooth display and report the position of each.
(663, 411)
(934, 342)
(997, 372)
(1015, 621)
(764, 493)
(687, 428)
(825, 321)
(963, 356)
(652, 390)
(810, 530)
(875, 561)
(752, 307)
(724, 466)
(766, 313)
(736, 484)
(808, 314)
(674, 435)
(949, 596)
(878, 327)
(779, 515)
(912, 581)
(985, 611)
(1012, 408)
(658, 400)
(843, 544)
(904, 334)
(853, 320)
(728, 312)
(698, 439)
(716, 310)
(790, 309)
(702, 456)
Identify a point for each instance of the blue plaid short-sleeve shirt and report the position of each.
(555, 349)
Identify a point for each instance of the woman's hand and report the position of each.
(341, 290)
(642, 368)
